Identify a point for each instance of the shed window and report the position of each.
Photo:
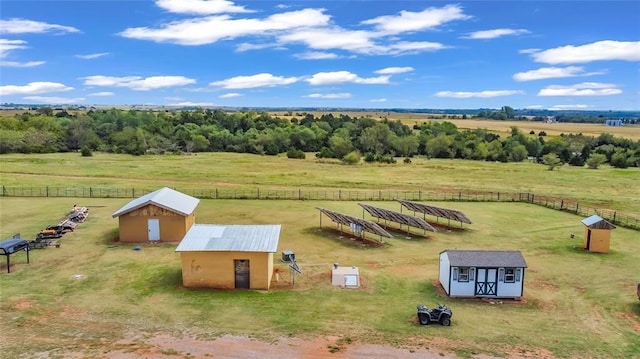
(509, 275)
(464, 274)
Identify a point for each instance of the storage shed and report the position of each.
(482, 273)
(229, 256)
(345, 277)
(597, 234)
(163, 215)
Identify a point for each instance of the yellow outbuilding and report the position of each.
(163, 215)
(597, 234)
(229, 256)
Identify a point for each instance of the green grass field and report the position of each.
(92, 292)
(606, 187)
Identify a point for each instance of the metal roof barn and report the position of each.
(236, 237)
(165, 198)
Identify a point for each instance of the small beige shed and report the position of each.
(345, 277)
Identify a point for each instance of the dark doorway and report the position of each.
(242, 273)
(588, 239)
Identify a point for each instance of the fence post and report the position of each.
(614, 216)
(577, 206)
(561, 204)
(47, 191)
(459, 195)
(90, 192)
(258, 193)
(339, 194)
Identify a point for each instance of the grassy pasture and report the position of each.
(92, 292)
(605, 187)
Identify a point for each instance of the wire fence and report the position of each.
(562, 204)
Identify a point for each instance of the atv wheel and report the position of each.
(445, 320)
(423, 319)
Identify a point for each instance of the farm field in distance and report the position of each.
(502, 127)
(89, 297)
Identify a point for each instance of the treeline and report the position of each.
(341, 137)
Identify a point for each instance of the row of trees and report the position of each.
(329, 136)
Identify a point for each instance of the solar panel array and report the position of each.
(355, 223)
(435, 211)
(397, 217)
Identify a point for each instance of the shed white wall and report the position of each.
(511, 290)
(339, 277)
(463, 289)
(445, 272)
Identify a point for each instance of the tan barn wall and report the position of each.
(208, 269)
(173, 226)
(600, 240)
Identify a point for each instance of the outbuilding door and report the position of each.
(242, 273)
(486, 281)
(588, 239)
(153, 225)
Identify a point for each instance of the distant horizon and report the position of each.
(536, 55)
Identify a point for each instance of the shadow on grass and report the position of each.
(345, 239)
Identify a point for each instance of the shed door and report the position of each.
(350, 280)
(153, 226)
(242, 273)
(486, 281)
(588, 239)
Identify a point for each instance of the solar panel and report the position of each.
(355, 223)
(451, 214)
(397, 217)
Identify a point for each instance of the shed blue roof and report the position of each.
(231, 238)
(598, 222)
(166, 198)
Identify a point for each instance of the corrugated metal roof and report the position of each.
(232, 238)
(166, 198)
(597, 222)
(471, 258)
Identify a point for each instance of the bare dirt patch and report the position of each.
(632, 318)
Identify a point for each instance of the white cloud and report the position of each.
(210, 29)
(528, 51)
(6, 46)
(581, 89)
(568, 107)
(21, 64)
(378, 100)
(190, 104)
(553, 72)
(480, 94)
(53, 99)
(231, 95)
(23, 26)
(253, 81)
(249, 47)
(533, 107)
(33, 88)
(330, 95)
(394, 70)
(316, 55)
(138, 83)
(495, 33)
(596, 51)
(102, 94)
(92, 56)
(200, 7)
(407, 21)
(340, 77)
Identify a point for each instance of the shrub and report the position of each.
(85, 151)
(351, 158)
(407, 160)
(294, 153)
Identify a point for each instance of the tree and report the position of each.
(518, 153)
(551, 160)
(595, 160)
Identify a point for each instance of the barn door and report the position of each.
(153, 225)
(588, 239)
(487, 281)
(242, 273)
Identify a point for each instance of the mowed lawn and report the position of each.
(606, 187)
(91, 292)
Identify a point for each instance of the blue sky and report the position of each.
(351, 54)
